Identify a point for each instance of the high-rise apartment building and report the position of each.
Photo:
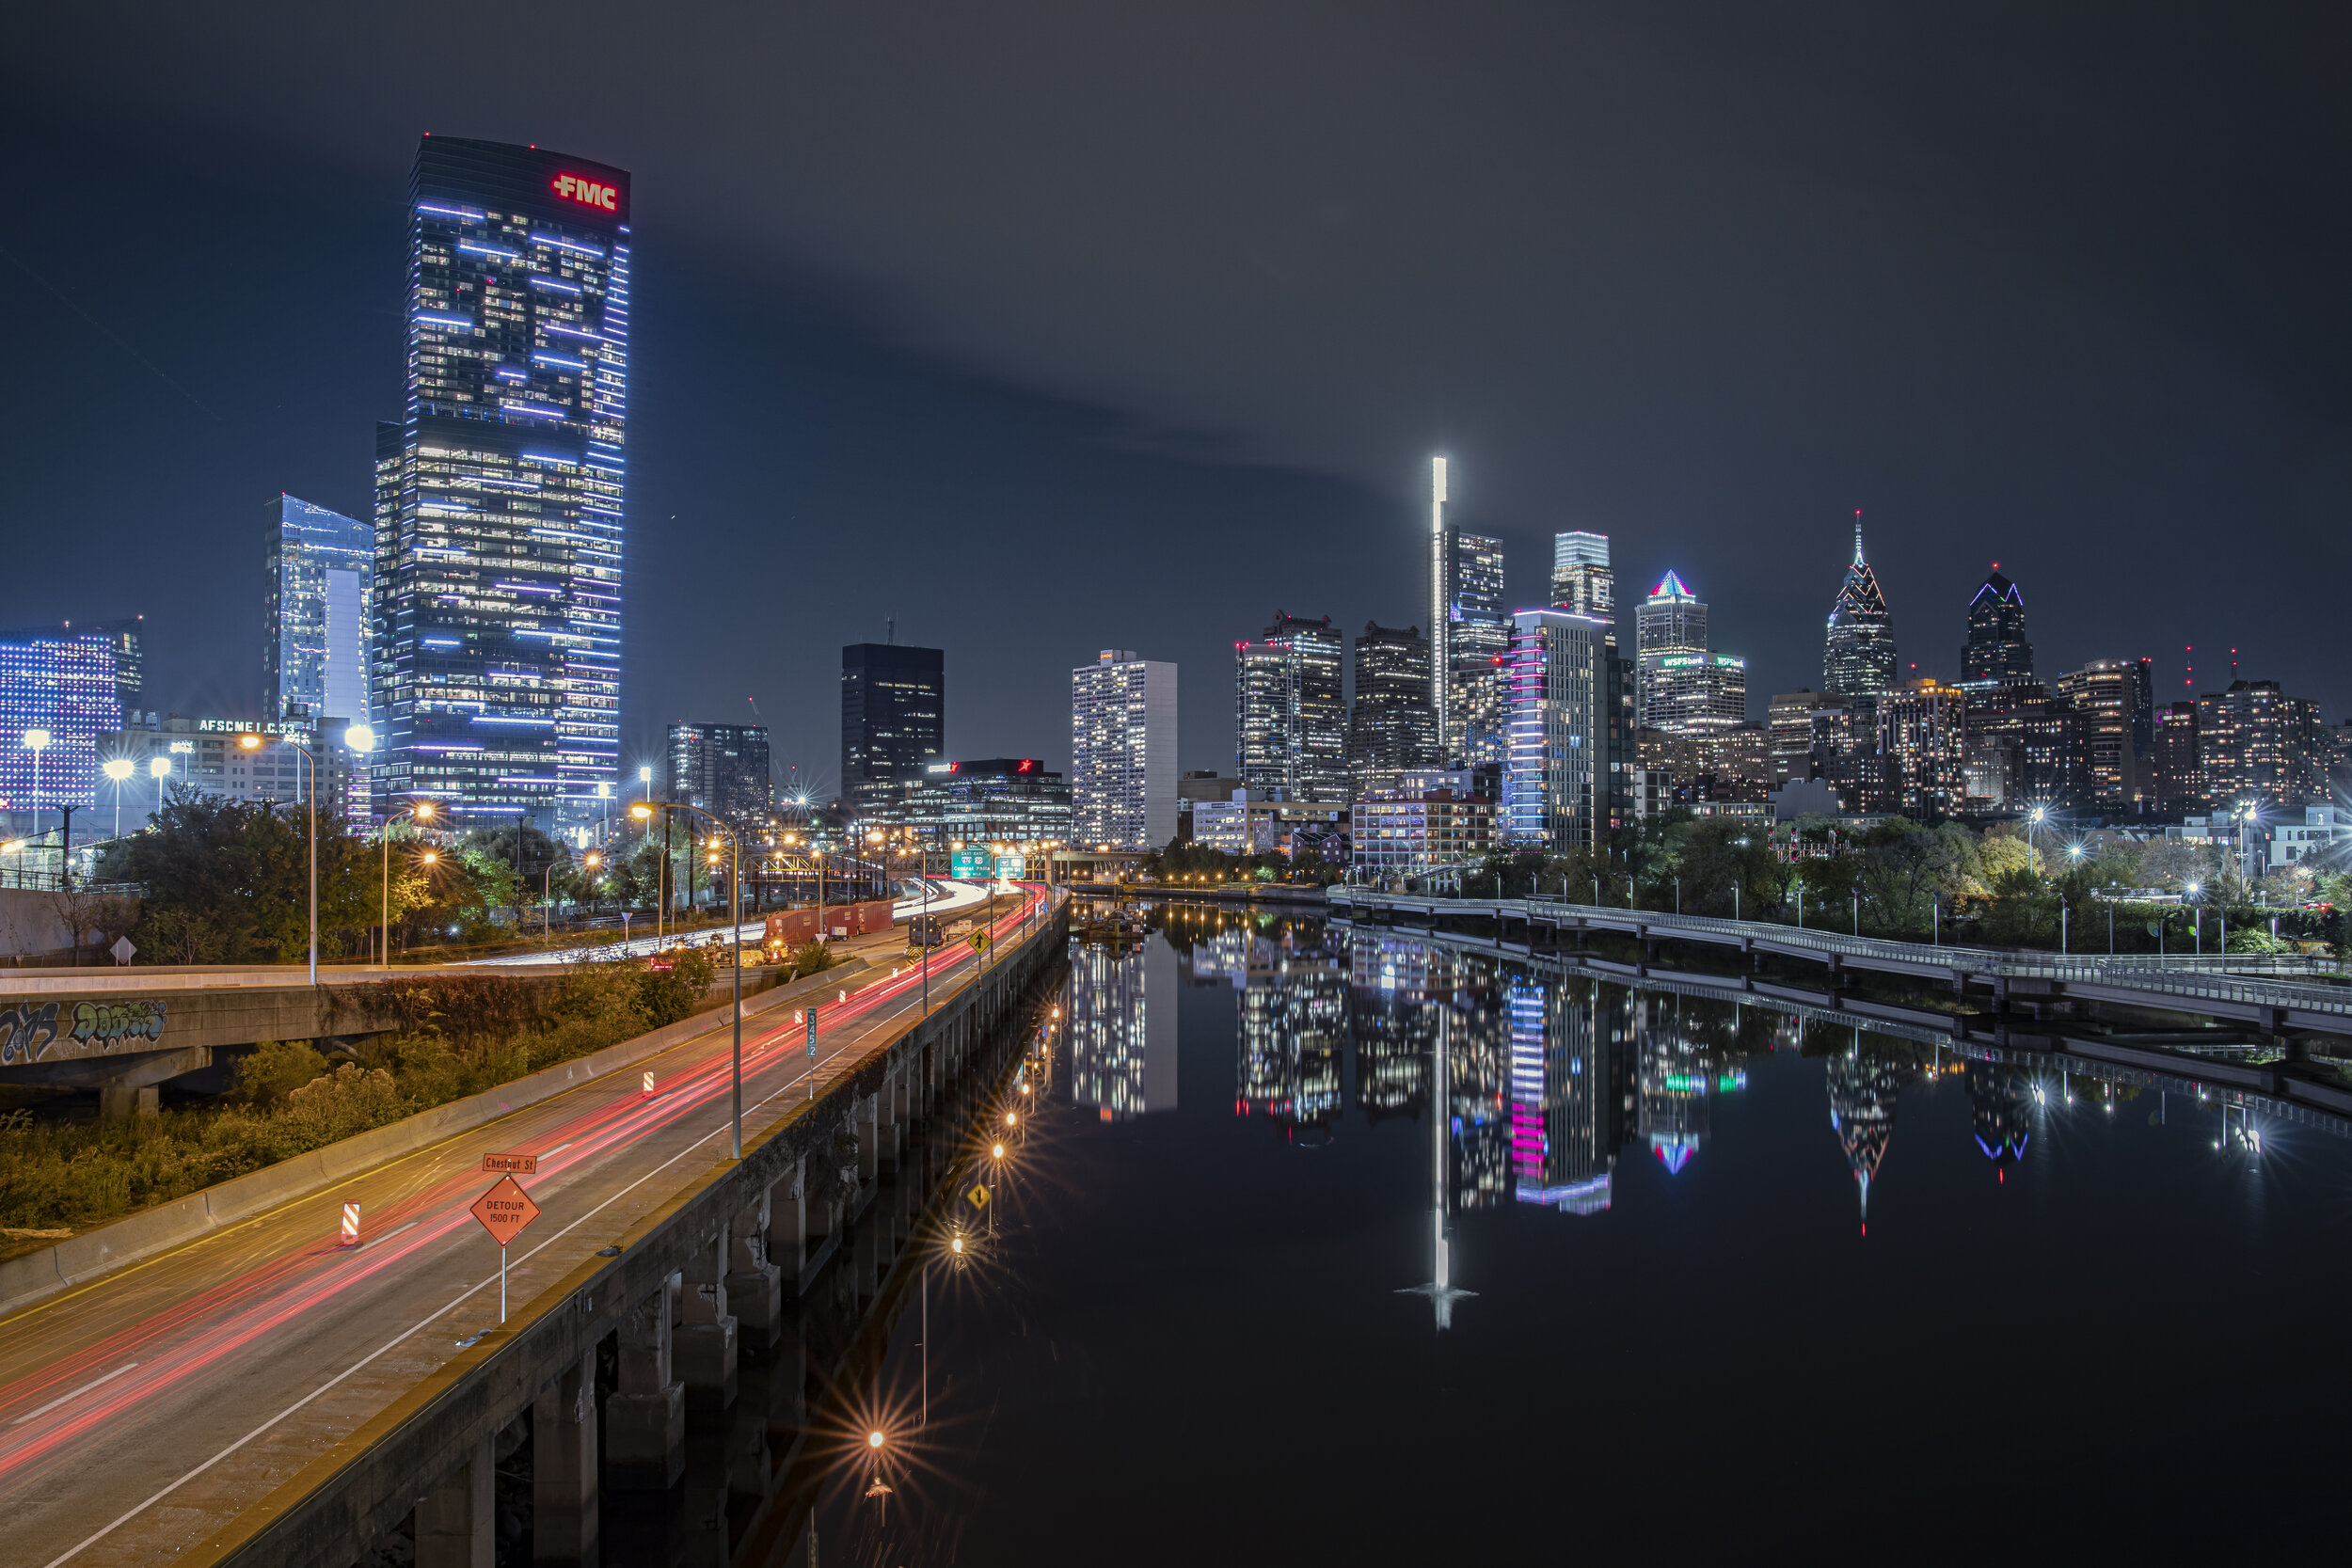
(1123, 752)
(128, 636)
(2180, 781)
(1858, 651)
(1291, 723)
(723, 768)
(1389, 727)
(1996, 649)
(1806, 728)
(1582, 582)
(2105, 694)
(321, 569)
(57, 696)
(1571, 731)
(894, 712)
(496, 681)
(2255, 743)
(1923, 736)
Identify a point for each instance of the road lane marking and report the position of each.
(94, 1383)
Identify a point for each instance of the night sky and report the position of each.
(1046, 328)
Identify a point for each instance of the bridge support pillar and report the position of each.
(645, 1422)
(706, 1345)
(564, 1529)
(788, 1227)
(868, 1115)
(456, 1521)
(755, 1286)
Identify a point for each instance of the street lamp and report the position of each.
(35, 741)
(643, 811)
(116, 772)
(252, 742)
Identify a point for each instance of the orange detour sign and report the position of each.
(505, 1210)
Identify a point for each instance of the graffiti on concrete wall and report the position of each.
(25, 1031)
(108, 1024)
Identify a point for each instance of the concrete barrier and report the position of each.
(35, 1275)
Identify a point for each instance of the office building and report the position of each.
(1009, 800)
(1571, 732)
(1123, 752)
(723, 769)
(1804, 728)
(321, 570)
(2255, 743)
(128, 638)
(1291, 740)
(500, 493)
(1922, 727)
(894, 713)
(1402, 832)
(1858, 650)
(1469, 628)
(1670, 624)
(2179, 781)
(201, 754)
(57, 696)
(2338, 748)
(1695, 693)
(1390, 726)
(1996, 649)
(1582, 582)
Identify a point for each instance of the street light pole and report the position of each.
(254, 742)
(644, 812)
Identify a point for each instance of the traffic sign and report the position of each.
(504, 1211)
(513, 1164)
(979, 1195)
(812, 1034)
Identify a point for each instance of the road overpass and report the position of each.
(144, 1414)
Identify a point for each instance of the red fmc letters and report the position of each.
(588, 191)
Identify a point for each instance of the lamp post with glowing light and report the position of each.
(361, 739)
(35, 741)
(250, 741)
(644, 811)
(118, 771)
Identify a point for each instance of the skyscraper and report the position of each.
(1670, 624)
(57, 696)
(1389, 727)
(1123, 752)
(724, 769)
(128, 636)
(2104, 693)
(1582, 582)
(1571, 727)
(495, 683)
(1290, 720)
(321, 569)
(894, 712)
(1858, 652)
(1469, 628)
(1996, 649)
(2255, 743)
(1923, 736)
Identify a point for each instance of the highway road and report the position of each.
(143, 1410)
(956, 898)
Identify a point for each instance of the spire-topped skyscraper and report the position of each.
(1858, 653)
(1996, 649)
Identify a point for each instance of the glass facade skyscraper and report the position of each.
(1996, 649)
(1570, 778)
(57, 696)
(894, 713)
(1289, 718)
(321, 568)
(1858, 649)
(500, 493)
(1583, 581)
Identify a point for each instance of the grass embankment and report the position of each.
(459, 1036)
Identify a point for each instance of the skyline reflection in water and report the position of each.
(1706, 1278)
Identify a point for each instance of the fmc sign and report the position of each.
(588, 192)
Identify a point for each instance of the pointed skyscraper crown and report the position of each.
(1857, 538)
(1671, 587)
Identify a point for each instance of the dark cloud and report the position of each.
(1054, 326)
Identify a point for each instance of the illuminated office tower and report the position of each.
(723, 768)
(2105, 694)
(1858, 650)
(1670, 624)
(321, 569)
(496, 684)
(1123, 752)
(1291, 723)
(128, 636)
(1469, 628)
(1996, 649)
(1569, 777)
(1389, 727)
(57, 696)
(894, 713)
(1582, 582)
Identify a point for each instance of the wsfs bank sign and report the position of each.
(588, 192)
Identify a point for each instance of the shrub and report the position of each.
(274, 1069)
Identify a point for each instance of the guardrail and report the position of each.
(2219, 978)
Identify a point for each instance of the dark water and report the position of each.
(1742, 1290)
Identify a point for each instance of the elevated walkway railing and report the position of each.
(2255, 979)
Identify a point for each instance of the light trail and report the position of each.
(440, 1211)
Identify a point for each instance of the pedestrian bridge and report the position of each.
(2276, 994)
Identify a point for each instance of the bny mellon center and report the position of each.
(499, 495)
